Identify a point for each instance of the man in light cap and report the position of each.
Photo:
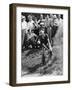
(23, 29)
(55, 20)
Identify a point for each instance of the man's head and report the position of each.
(29, 17)
(51, 15)
(23, 18)
(41, 16)
(47, 17)
(41, 33)
(54, 16)
(59, 16)
(35, 19)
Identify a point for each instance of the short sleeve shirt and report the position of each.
(31, 25)
(24, 25)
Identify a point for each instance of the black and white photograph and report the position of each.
(41, 40)
(41, 44)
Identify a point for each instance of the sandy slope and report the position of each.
(31, 59)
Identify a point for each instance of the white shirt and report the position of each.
(31, 25)
(30, 35)
(60, 21)
(47, 23)
(24, 25)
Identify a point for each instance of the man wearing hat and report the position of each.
(23, 29)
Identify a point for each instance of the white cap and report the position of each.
(23, 17)
(54, 16)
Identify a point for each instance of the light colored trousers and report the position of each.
(22, 37)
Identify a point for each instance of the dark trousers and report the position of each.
(54, 30)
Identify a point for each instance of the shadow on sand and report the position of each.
(45, 68)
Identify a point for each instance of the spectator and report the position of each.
(36, 29)
(55, 21)
(30, 23)
(47, 26)
(24, 29)
(54, 27)
(60, 20)
(51, 20)
(41, 21)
